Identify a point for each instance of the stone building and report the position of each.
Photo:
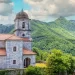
(16, 49)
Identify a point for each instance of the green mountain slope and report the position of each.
(45, 38)
(64, 27)
(59, 34)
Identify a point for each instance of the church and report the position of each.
(16, 49)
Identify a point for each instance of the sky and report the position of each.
(43, 10)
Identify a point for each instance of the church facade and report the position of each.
(16, 49)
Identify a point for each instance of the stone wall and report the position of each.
(18, 25)
(3, 62)
(20, 33)
(2, 44)
(27, 45)
(11, 55)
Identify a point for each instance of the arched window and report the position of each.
(27, 62)
(14, 49)
(23, 35)
(23, 25)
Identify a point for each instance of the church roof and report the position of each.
(28, 52)
(9, 37)
(25, 52)
(4, 37)
(22, 15)
(2, 52)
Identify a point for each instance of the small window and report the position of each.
(14, 49)
(23, 25)
(14, 61)
(23, 35)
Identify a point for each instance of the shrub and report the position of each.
(60, 63)
(3, 72)
(33, 71)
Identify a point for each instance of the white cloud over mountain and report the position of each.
(7, 19)
(5, 7)
(43, 9)
(6, 15)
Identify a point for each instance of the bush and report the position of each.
(3, 72)
(60, 63)
(33, 71)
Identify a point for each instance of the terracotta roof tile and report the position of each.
(26, 39)
(25, 52)
(12, 37)
(28, 52)
(9, 37)
(2, 52)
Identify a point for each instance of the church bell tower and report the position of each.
(22, 25)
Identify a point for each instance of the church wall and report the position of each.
(27, 45)
(11, 55)
(2, 44)
(32, 57)
(3, 64)
(20, 34)
(18, 24)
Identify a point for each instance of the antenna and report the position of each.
(22, 6)
(22, 9)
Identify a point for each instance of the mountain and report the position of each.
(73, 21)
(64, 27)
(52, 35)
(5, 28)
(59, 34)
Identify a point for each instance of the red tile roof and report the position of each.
(12, 37)
(28, 52)
(26, 39)
(2, 52)
(9, 37)
(25, 52)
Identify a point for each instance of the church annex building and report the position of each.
(15, 49)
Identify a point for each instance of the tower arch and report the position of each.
(22, 24)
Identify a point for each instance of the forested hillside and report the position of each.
(59, 34)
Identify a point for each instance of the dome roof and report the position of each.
(22, 15)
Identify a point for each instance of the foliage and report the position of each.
(42, 65)
(59, 34)
(41, 55)
(60, 62)
(12, 71)
(2, 72)
(33, 71)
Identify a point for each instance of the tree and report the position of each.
(59, 62)
(32, 70)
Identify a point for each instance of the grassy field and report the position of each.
(40, 65)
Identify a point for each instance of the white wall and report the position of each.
(3, 64)
(18, 25)
(2, 44)
(11, 55)
(27, 45)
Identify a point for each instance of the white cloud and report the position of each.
(43, 9)
(5, 7)
(6, 15)
(7, 19)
